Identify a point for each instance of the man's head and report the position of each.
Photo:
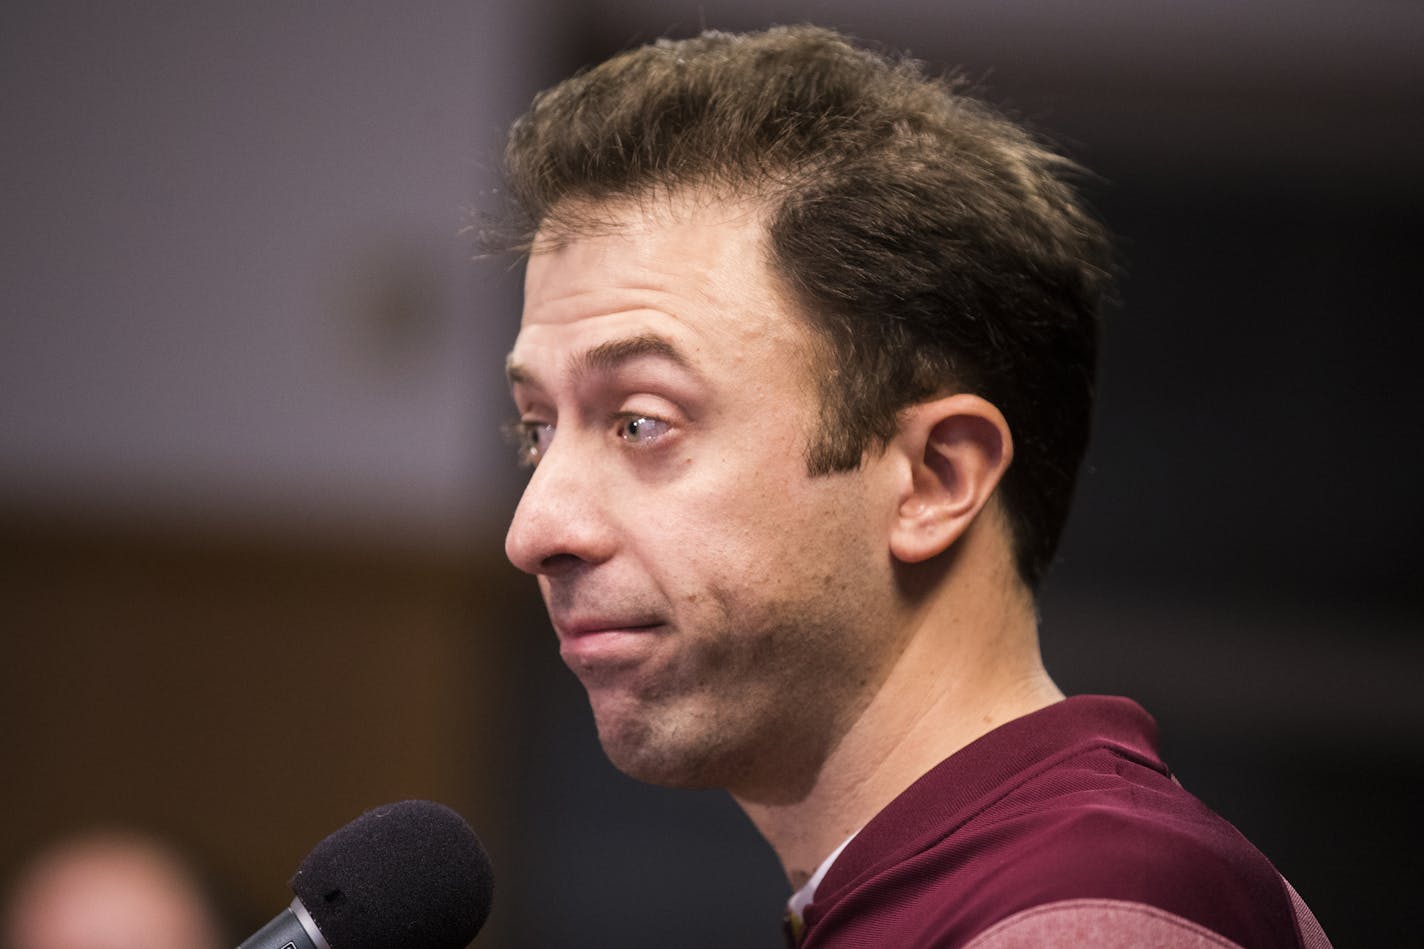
(931, 246)
(791, 314)
(726, 611)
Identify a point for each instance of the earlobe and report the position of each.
(958, 448)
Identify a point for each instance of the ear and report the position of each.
(957, 448)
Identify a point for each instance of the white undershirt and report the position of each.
(803, 897)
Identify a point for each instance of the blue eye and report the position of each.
(639, 429)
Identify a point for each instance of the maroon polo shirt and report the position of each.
(1069, 803)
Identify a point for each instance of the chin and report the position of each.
(669, 757)
(661, 772)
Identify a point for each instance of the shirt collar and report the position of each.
(802, 897)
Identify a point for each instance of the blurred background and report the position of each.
(252, 498)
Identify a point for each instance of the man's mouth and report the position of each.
(608, 642)
(578, 629)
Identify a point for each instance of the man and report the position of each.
(805, 376)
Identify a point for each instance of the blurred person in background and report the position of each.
(110, 890)
(805, 377)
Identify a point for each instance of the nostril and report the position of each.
(558, 563)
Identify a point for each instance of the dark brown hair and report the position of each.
(934, 244)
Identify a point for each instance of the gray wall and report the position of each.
(232, 281)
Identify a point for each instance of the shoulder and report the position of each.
(1151, 856)
(1098, 840)
(1117, 924)
(1104, 924)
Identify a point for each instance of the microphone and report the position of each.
(409, 875)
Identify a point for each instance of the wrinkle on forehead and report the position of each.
(696, 272)
(662, 256)
(640, 243)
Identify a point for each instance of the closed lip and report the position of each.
(580, 628)
(606, 645)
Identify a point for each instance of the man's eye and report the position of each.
(640, 429)
(531, 440)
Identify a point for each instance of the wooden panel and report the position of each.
(244, 695)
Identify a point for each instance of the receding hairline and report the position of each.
(580, 216)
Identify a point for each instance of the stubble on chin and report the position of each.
(757, 693)
(763, 742)
(655, 748)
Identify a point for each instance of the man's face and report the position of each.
(727, 613)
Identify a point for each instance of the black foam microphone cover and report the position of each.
(408, 875)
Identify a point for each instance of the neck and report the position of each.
(962, 674)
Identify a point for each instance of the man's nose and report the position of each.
(561, 521)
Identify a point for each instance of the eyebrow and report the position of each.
(609, 356)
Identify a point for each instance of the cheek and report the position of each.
(746, 514)
(719, 507)
(790, 549)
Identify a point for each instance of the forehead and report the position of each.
(690, 270)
